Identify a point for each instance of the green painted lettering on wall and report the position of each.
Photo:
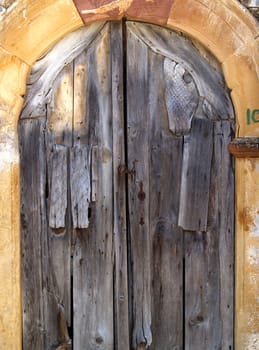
(252, 116)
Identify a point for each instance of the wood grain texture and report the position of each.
(94, 173)
(33, 223)
(165, 164)
(58, 188)
(223, 176)
(197, 155)
(58, 136)
(93, 247)
(182, 97)
(138, 149)
(60, 109)
(121, 297)
(81, 100)
(46, 70)
(80, 185)
(203, 325)
(209, 283)
(208, 80)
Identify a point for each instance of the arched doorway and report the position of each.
(126, 227)
(226, 29)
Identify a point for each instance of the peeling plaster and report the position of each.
(252, 342)
(253, 255)
(8, 150)
(255, 228)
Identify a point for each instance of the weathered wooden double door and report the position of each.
(127, 200)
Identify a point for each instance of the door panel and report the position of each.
(127, 198)
(153, 204)
(180, 271)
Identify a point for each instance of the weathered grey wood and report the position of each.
(121, 299)
(60, 109)
(195, 182)
(224, 178)
(94, 175)
(209, 258)
(181, 96)
(165, 164)
(33, 224)
(81, 100)
(203, 326)
(93, 250)
(138, 149)
(58, 188)
(80, 186)
(58, 135)
(209, 81)
(46, 69)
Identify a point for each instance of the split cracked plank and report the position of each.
(138, 149)
(121, 298)
(58, 140)
(93, 247)
(165, 164)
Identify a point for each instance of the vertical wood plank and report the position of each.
(58, 246)
(203, 326)
(94, 173)
(121, 299)
(58, 188)
(80, 186)
(209, 258)
(33, 225)
(93, 250)
(223, 134)
(138, 150)
(196, 176)
(81, 100)
(166, 261)
(60, 109)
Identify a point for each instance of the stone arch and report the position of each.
(28, 31)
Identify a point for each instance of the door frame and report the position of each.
(235, 46)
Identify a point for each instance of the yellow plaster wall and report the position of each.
(10, 293)
(28, 29)
(38, 25)
(247, 254)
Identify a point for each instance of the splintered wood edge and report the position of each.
(245, 147)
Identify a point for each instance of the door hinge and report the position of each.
(123, 170)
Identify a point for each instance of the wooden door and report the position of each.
(127, 195)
